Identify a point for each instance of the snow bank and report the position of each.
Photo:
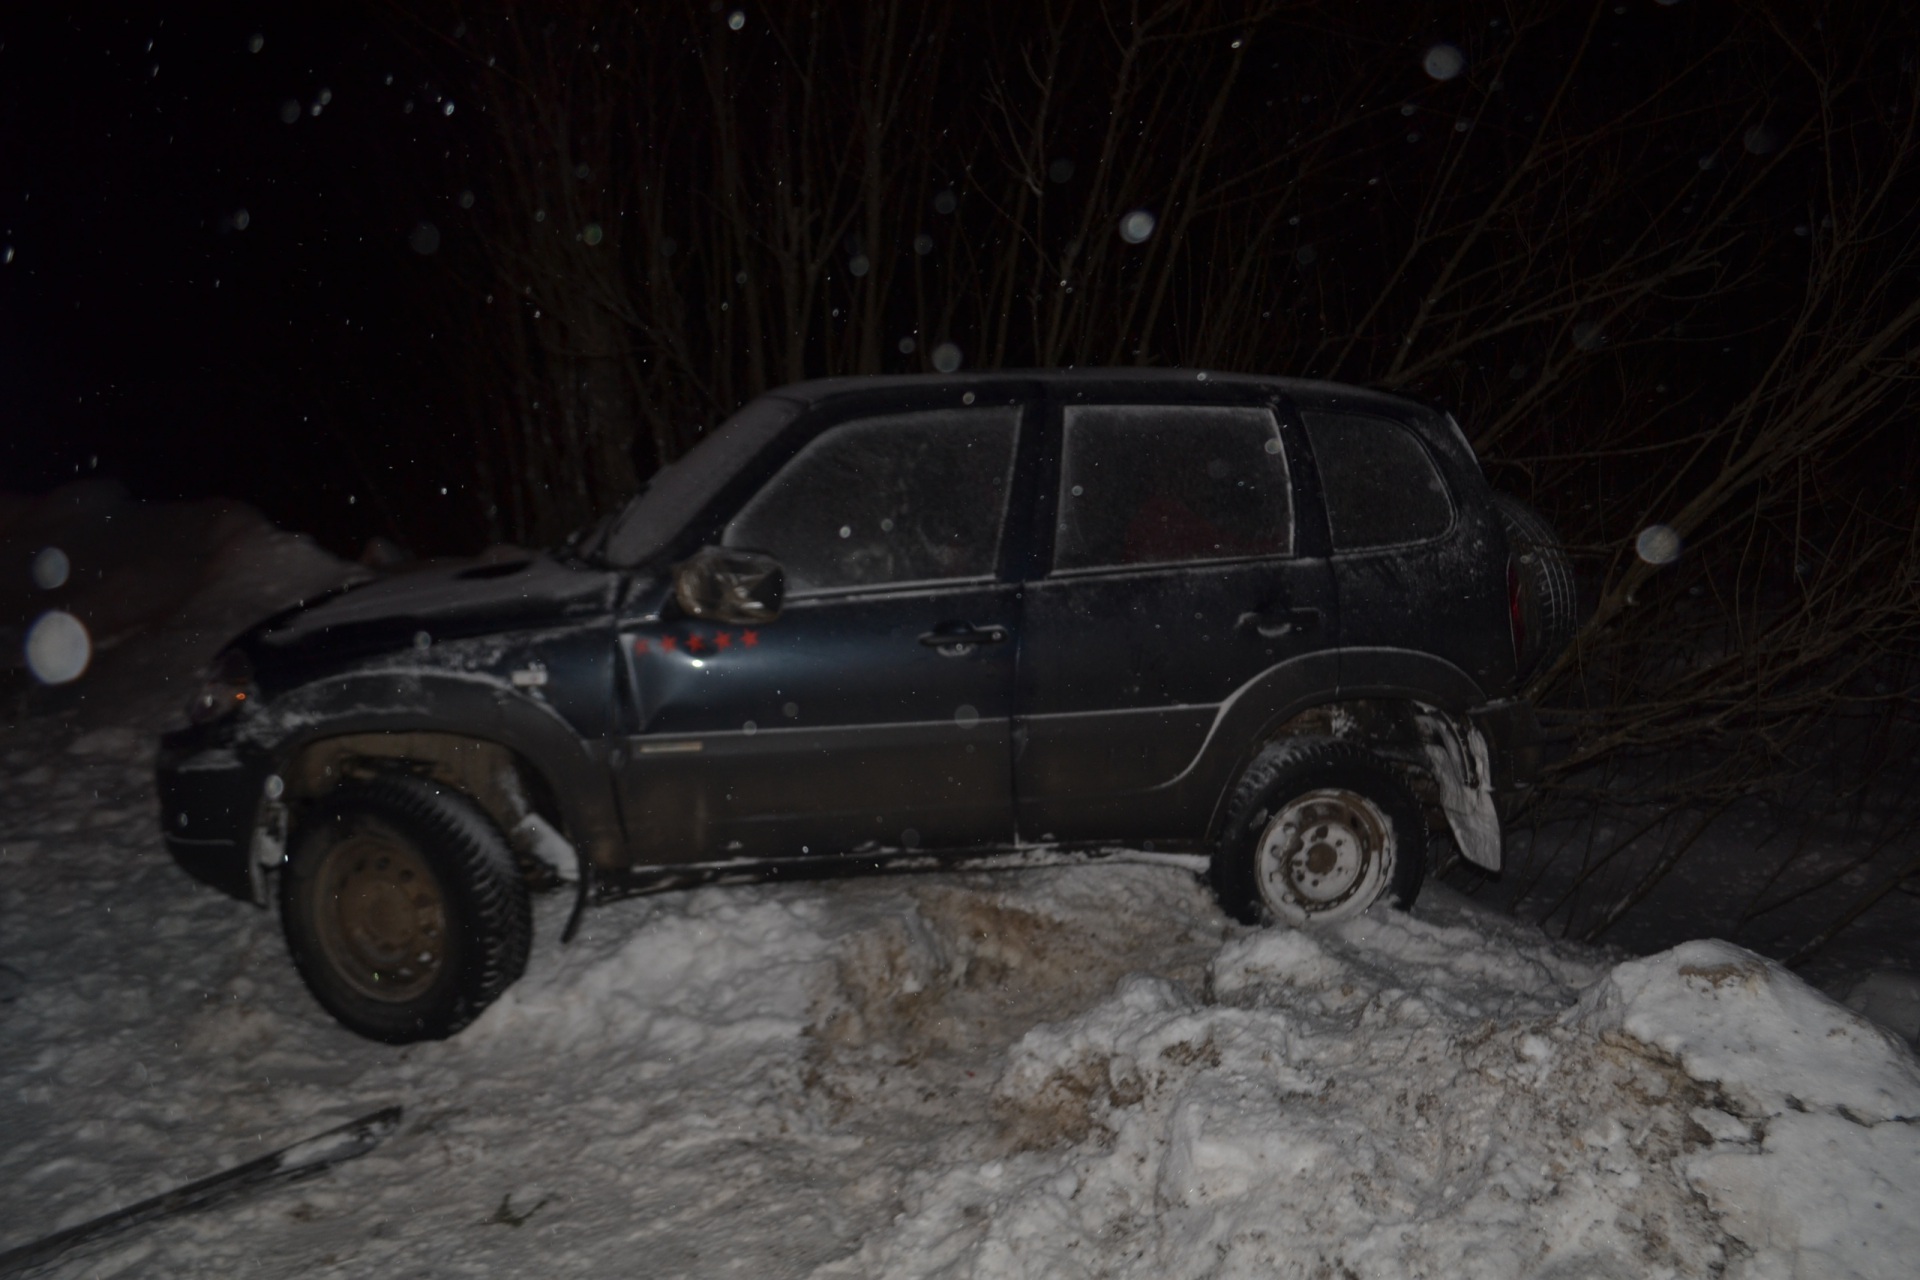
(1407, 1097)
(1818, 1152)
(1390, 1098)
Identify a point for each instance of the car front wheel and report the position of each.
(403, 908)
(1317, 831)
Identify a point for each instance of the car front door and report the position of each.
(874, 712)
(1177, 580)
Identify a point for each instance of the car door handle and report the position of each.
(958, 639)
(1275, 623)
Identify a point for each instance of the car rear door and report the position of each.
(1173, 578)
(875, 711)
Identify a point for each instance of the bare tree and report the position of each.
(1660, 262)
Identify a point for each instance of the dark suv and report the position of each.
(1277, 627)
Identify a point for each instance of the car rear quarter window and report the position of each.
(910, 497)
(1381, 487)
(1170, 484)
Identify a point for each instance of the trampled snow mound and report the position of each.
(1406, 1097)
(1395, 1097)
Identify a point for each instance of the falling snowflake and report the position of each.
(1658, 544)
(51, 568)
(1444, 62)
(58, 647)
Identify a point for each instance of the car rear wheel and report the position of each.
(1317, 831)
(403, 909)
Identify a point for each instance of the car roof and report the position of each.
(1308, 393)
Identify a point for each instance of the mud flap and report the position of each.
(1457, 755)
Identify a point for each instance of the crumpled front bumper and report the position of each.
(211, 791)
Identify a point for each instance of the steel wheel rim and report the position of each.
(1324, 856)
(382, 917)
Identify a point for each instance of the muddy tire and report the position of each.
(1549, 607)
(1317, 831)
(403, 908)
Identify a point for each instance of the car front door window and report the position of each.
(908, 498)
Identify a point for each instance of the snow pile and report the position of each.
(1815, 1165)
(1395, 1097)
(1408, 1097)
(737, 976)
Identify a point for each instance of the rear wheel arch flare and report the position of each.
(1387, 726)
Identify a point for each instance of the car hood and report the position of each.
(443, 603)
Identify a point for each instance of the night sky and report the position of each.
(214, 281)
(209, 262)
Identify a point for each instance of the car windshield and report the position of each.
(680, 489)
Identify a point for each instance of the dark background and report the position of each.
(146, 337)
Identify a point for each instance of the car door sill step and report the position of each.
(633, 882)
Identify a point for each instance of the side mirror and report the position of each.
(730, 586)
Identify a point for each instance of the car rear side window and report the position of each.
(912, 497)
(1381, 486)
(1171, 484)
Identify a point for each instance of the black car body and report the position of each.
(1058, 609)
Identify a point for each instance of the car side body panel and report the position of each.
(1122, 705)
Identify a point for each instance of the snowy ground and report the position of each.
(1070, 1072)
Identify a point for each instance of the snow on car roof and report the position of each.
(1308, 390)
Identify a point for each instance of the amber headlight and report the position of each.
(226, 687)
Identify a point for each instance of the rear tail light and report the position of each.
(1516, 611)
